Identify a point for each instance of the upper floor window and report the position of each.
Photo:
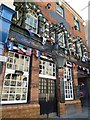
(79, 49)
(31, 21)
(61, 41)
(60, 10)
(77, 24)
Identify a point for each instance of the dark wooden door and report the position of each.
(47, 96)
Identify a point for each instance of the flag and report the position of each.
(80, 67)
(20, 51)
(31, 32)
(15, 48)
(45, 54)
(83, 68)
(29, 51)
(83, 59)
(37, 54)
(87, 71)
(74, 65)
(10, 45)
(21, 47)
(44, 40)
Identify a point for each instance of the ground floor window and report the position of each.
(47, 69)
(15, 83)
(68, 84)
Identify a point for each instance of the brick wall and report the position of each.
(31, 110)
(68, 17)
(21, 111)
(75, 79)
(69, 107)
(34, 79)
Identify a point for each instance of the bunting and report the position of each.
(21, 48)
(29, 51)
(10, 45)
(37, 54)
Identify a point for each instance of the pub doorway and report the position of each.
(47, 96)
(83, 85)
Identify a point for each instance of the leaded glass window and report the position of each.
(15, 84)
(68, 83)
(47, 69)
(31, 21)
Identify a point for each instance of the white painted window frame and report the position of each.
(31, 14)
(60, 10)
(16, 87)
(68, 85)
(47, 75)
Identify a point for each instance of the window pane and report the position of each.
(15, 83)
(68, 86)
(32, 21)
(48, 68)
(59, 10)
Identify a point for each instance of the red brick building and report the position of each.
(31, 82)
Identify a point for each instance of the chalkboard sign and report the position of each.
(78, 91)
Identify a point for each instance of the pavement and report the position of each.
(83, 115)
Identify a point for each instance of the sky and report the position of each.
(77, 5)
(80, 6)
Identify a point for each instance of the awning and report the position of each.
(59, 19)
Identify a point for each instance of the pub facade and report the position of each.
(31, 82)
